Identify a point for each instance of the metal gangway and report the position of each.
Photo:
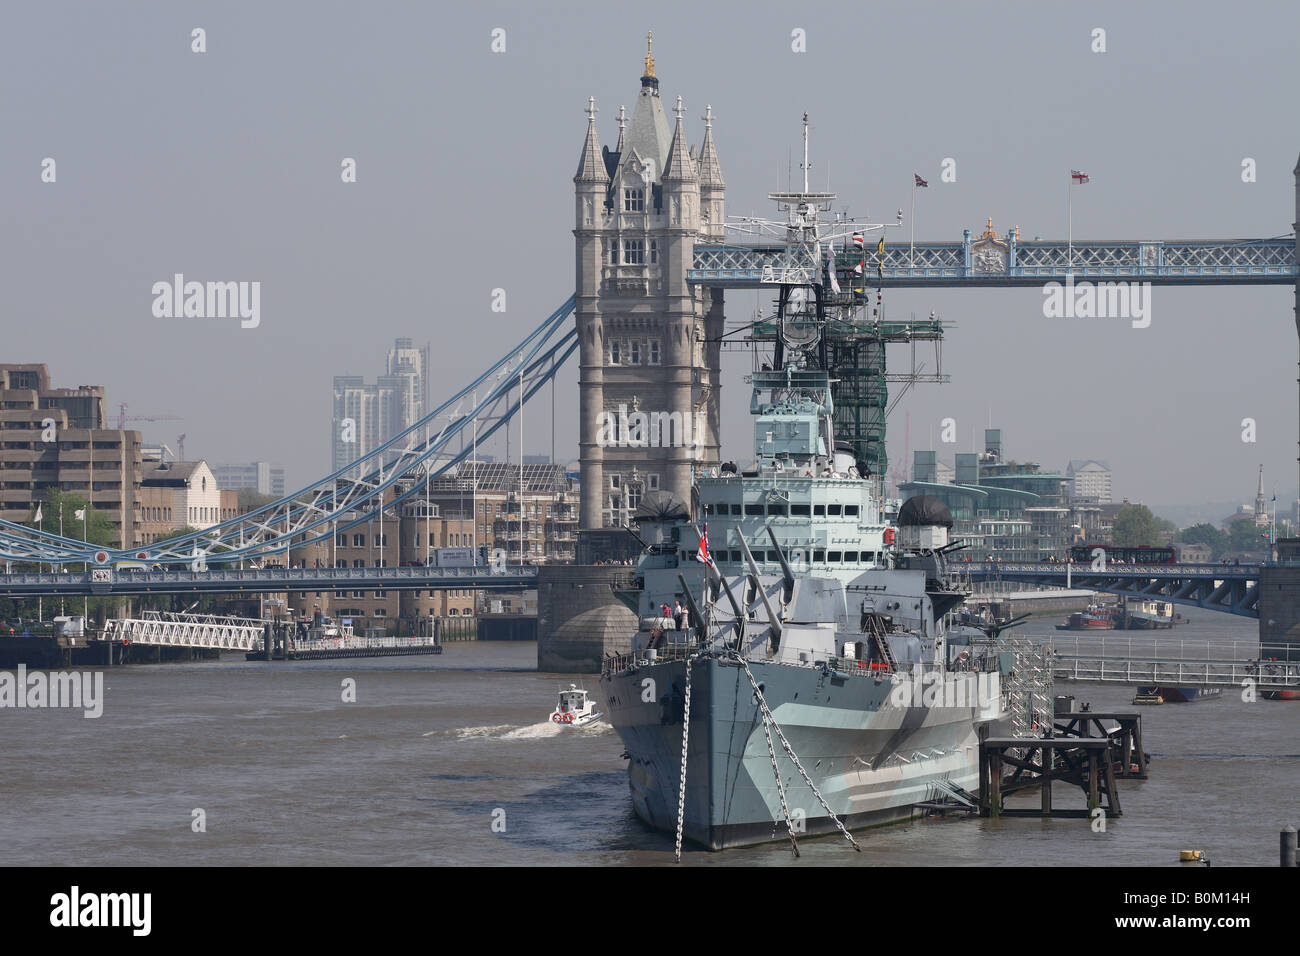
(1155, 661)
(166, 629)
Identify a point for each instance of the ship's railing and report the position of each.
(615, 663)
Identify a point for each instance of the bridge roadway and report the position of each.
(1214, 587)
(102, 582)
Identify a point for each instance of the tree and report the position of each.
(59, 516)
(1244, 536)
(1207, 534)
(1135, 526)
(250, 499)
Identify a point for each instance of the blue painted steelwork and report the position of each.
(338, 503)
(104, 581)
(1233, 589)
(992, 260)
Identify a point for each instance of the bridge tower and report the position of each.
(649, 340)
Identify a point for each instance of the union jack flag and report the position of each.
(703, 553)
(919, 181)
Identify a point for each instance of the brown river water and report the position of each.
(435, 751)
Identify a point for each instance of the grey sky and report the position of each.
(225, 166)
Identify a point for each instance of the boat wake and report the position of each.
(539, 731)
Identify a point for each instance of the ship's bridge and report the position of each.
(824, 523)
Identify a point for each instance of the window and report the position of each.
(633, 200)
(819, 511)
(633, 252)
(851, 511)
(833, 557)
(735, 509)
(652, 482)
(614, 354)
(654, 353)
(753, 509)
(613, 481)
(708, 509)
(819, 555)
(851, 556)
(776, 509)
(654, 251)
(735, 556)
(833, 510)
(800, 511)
(358, 541)
(634, 353)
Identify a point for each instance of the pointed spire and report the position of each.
(648, 78)
(622, 125)
(679, 164)
(591, 169)
(710, 171)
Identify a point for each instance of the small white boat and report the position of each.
(574, 709)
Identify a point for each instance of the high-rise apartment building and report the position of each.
(367, 415)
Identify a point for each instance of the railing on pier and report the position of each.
(1172, 661)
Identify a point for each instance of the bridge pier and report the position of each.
(1279, 603)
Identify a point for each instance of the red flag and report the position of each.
(857, 239)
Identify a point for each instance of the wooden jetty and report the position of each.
(1082, 751)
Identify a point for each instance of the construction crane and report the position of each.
(123, 417)
(180, 443)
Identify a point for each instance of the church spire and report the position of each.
(710, 171)
(679, 164)
(591, 169)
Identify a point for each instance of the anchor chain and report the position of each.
(780, 787)
(767, 715)
(686, 740)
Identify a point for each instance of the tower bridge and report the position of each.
(653, 263)
(1214, 587)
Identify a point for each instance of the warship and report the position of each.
(817, 681)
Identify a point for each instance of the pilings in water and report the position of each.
(1082, 751)
(1288, 842)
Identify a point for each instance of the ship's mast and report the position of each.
(805, 153)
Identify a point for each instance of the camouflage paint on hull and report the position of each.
(870, 758)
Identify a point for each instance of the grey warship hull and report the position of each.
(870, 759)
